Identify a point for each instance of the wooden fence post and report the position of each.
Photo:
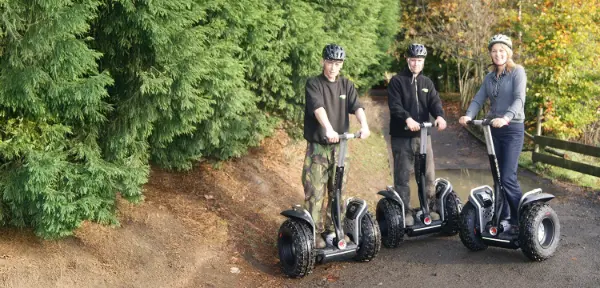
(538, 127)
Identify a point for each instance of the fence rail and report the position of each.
(543, 141)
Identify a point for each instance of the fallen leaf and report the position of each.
(332, 278)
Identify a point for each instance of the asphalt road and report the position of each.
(437, 261)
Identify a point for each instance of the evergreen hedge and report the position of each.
(93, 91)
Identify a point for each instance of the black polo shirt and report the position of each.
(338, 98)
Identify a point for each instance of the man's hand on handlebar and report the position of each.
(332, 136)
(413, 125)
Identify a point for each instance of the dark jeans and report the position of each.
(404, 151)
(508, 143)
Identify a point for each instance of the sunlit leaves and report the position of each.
(561, 47)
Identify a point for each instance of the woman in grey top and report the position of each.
(504, 86)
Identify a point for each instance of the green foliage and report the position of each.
(235, 44)
(561, 44)
(355, 26)
(91, 91)
(386, 28)
(296, 52)
(51, 106)
(153, 54)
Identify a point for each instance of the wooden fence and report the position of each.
(543, 143)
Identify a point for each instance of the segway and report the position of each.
(539, 228)
(296, 242)
(391, 209)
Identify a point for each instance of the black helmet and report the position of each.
(334, 52)
(416, 51)
(500, 38)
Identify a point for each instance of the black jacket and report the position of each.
(403, 102)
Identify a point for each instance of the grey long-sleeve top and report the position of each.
(509, 99)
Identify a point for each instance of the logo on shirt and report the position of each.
(425, 90)
(343, 96)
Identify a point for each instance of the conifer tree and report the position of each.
(354, 25)
(192, 79)
(386, 29)
(233, 121)
(149, 50)
(303, 38)
(53, 175)
(180, 92)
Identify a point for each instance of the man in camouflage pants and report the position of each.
(329, 101)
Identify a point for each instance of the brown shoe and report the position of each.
(409, 220)
(347, 239)
(319, 242)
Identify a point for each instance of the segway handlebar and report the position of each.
(349, 135)
(484, 122)
(422, 125)
(346, 136)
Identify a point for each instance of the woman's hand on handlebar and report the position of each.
(464, 120)
(499, 122)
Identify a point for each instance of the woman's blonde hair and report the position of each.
(510, 64)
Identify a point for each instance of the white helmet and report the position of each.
(500, 38)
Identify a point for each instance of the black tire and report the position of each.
(370, 239)
(535, 244)
(296, 248)
(451, 214)
(391, 222)
(469, 228)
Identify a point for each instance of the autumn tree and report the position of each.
(458, 31)
(560, 48)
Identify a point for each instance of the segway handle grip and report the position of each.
(346, 136)
(349, 135)
(484, 122)
(422, 125)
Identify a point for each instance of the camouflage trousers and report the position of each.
(318, 174)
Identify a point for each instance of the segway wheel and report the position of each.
(296, 248)
(451, 214)
(391, 222)
(370, 239)
(539, 232)
(469, 228)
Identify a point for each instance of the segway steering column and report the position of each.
(336, 212)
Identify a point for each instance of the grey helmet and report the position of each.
(500, 38)
(334, 52)
(416, 51)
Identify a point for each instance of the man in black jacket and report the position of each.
(412, 98)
